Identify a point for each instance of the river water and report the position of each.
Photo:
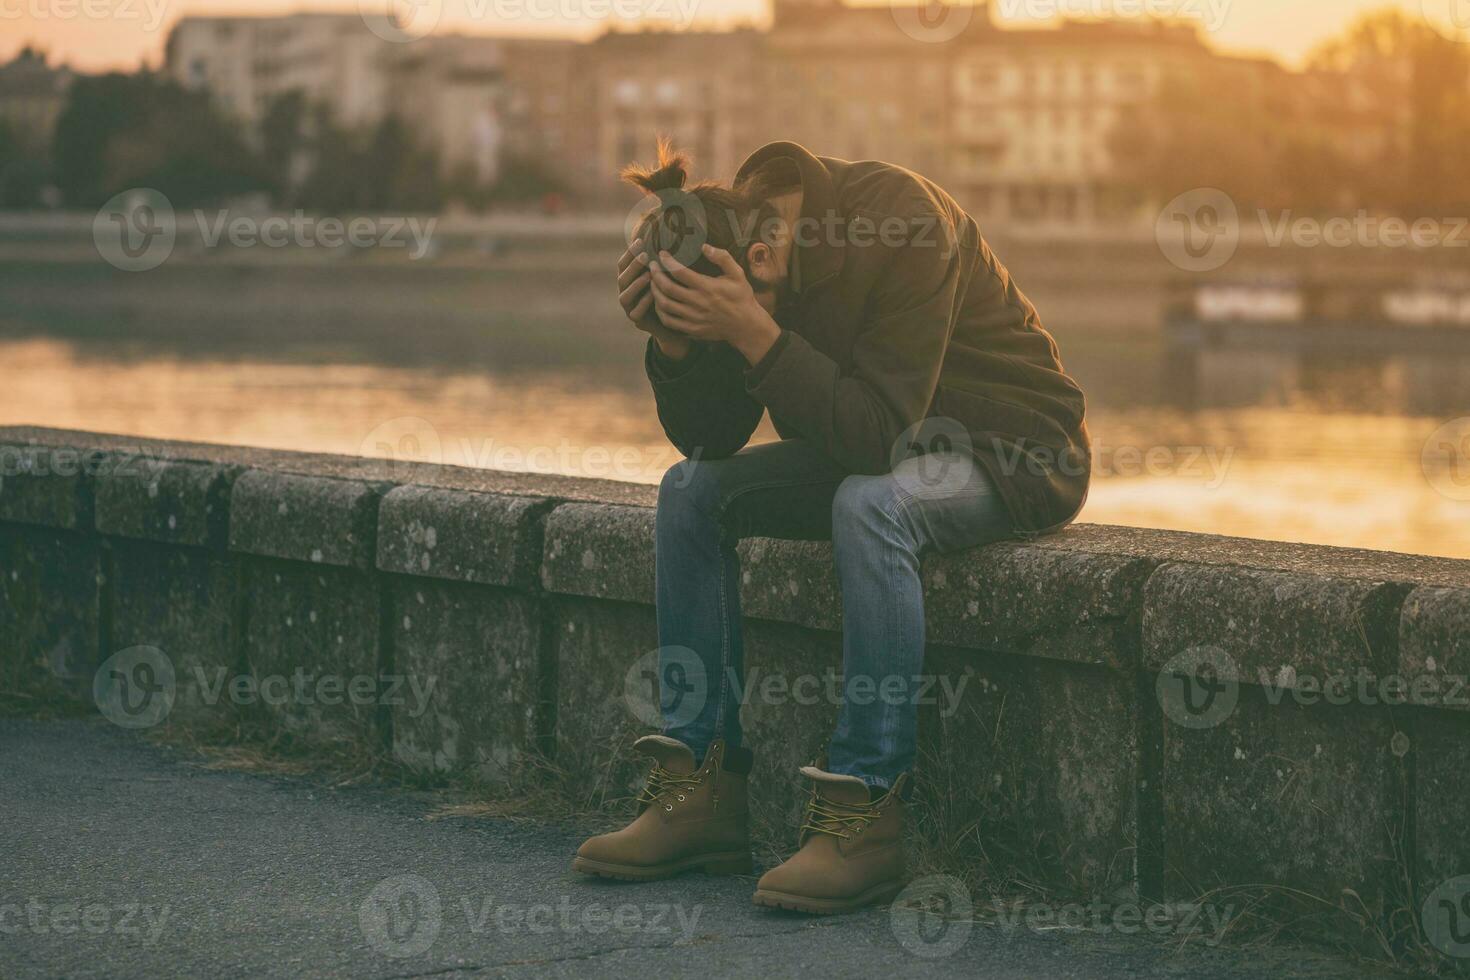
(531, 368)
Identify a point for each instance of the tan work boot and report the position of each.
(851, 849)
(689, 819)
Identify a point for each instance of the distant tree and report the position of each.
(23, 175)
(1417, 86)
(284, 144)
(120, 131)
(524, 179)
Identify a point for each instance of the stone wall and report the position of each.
(1124, 709)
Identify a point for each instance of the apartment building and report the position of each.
(642, 85)
(246, 62)
(450, 92)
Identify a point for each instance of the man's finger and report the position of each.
(629, 253)
(724, 261)
(640, 310)
(679, 271)
(629, 295)
(665, 283)
(636, 268)
(673, 307)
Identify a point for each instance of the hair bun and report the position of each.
(672, 170)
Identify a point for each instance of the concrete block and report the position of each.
(173, 503)
(602, 551)
(1310, 797)
(469, 537)
(48, 485)
(1277, 627)
(1434, 648)
(181, 601)
(1441, 747)
(1020, 598)
(304, 518)
(468, 660)
(312, 649)
(1035, 764)
(50, 583)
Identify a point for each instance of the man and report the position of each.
(922, 408)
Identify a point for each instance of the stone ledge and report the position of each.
(304, 518)
(1278, 625)
(173, 503)
(1434, 644)
(484, 538)
(47, 485)
(603, 551)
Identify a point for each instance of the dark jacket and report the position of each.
(902, 313)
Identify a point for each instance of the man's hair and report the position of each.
(729, 218)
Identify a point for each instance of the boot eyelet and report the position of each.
(681, 797)
(668, 806)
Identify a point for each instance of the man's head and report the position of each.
(752, 221)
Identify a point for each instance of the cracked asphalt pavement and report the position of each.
(120, 858)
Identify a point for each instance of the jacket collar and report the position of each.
(818, 254)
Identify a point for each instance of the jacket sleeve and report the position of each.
(858, 417)
(702, 402)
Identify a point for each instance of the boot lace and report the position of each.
(838, 819)
(661, 781)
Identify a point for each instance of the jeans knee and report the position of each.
(865, 508)
(689, 487)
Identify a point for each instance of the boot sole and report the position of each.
(884, 892)
(726, 863)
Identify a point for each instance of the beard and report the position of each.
(785, 296)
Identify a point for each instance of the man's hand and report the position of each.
(712, 308)
(637, 302)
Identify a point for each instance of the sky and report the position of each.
(99, 34)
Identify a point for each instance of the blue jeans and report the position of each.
(879, 526)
